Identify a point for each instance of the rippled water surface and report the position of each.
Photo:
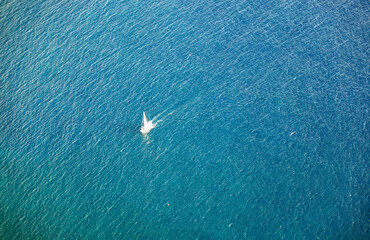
(262, 111)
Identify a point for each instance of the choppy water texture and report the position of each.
(262, 110)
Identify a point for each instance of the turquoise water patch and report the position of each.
(261, 111)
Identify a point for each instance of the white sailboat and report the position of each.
(148, 125)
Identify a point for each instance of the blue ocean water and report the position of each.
(262, 111)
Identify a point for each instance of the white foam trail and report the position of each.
(161, 114)
(161, 120)
(149, 125)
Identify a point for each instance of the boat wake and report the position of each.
(149, 125)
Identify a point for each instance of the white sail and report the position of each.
(145, 121)
(148, 125)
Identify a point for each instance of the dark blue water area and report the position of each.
(262, 113)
